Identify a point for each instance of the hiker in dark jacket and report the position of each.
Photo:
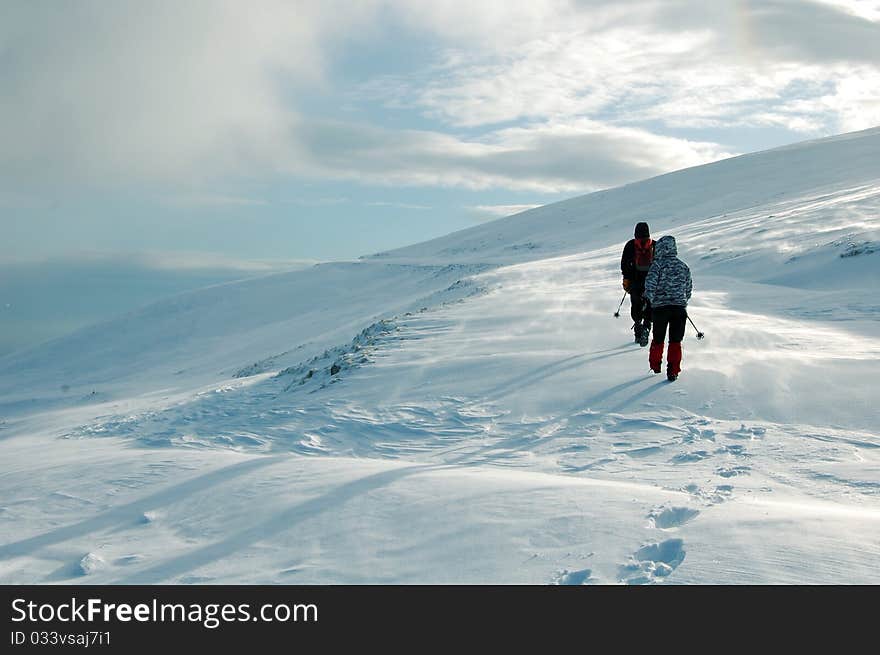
(668, 288)
(634, 264)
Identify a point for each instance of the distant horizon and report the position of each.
(169, 145)
(195, 260)
(94, 286)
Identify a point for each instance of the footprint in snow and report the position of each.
(653, 563)
(747, 433)
(667, 518)
(733, 471)
(733, 449)
(698, 434)
(127, 560)
(693, 456)
(582, 577)
(91, 563)
(149, 517)
(721, 493)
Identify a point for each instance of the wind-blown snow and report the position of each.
(467, 409)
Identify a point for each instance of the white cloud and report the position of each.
(563, 74)
(681, 63)
(867, 9)
(109, 92)
(856, 99)
(579, 155)
(186, 94)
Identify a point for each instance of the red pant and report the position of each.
(673, 357)
(674, 318)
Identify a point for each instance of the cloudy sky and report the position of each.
(296, 130)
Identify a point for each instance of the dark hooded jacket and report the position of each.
(669, 279)
(627, 260)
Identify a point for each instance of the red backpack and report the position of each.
(644, 254)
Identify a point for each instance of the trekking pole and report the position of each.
(700, 335)
(617, 313)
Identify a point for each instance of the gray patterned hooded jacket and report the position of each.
(669, 279)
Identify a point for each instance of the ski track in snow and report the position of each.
(498, 381)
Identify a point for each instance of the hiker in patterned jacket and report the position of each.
(634, 264)
(668, 289)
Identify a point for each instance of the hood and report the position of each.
(665, 247)
(642, 231)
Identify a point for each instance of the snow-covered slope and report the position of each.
(467, 409)
(770, 179)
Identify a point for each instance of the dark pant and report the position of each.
(639, 308)
(674, 317)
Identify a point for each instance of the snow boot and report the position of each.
(646, 332)
(673, 364)
(655, 357)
